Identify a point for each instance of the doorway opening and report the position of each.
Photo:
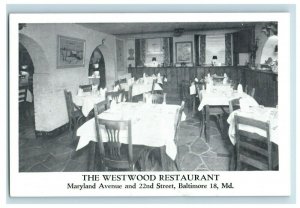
(26, 71)
(97, 67)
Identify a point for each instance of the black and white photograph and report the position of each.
(164, 96)
(179, 117)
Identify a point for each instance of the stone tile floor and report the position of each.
(58, 154)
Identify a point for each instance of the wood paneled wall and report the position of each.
(265, 83)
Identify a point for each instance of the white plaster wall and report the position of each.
(268, 50)
(49, 82)
(262, 38)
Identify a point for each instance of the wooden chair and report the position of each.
(117, 83)
(178, 119)
(185, 94)
(101, 107)
(234, 105)
(114, 154)
(253, 150)
(98, 109)
(153, 86)
(208, 112)
(246, 89)
(74, 112)
(117, 96)
(158, 98)
(129, 94)
(86, 88)
(22, 101)
(252, 94)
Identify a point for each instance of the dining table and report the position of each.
(152, 126)
(219, 96)
(142, 86)
(260, 113)
(87, 100)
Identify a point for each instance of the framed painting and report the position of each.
(184, 52)
(70, 52)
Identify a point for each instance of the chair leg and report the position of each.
(206, 130)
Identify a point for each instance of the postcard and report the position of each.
(149, 104)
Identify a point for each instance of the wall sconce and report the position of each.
(154, 59)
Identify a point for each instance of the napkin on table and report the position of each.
(192, 89)
(240, 88)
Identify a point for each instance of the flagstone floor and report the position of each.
(58, 154)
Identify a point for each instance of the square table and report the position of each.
(260, 113)
(220, 96)
(152, 125)
(87, 101)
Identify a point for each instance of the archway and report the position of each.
(97, 64)
(270, 50)
(40, 65)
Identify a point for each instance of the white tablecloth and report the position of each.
(140, 88)
(87, 102)
(258, 113)
(220, 97)
(152, 125)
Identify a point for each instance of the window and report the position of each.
(156, 49)
(215, 47)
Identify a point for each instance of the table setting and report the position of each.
(152, 125)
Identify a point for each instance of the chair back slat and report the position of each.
(68, 97)
(112, 152)
(129, 98)
(22, 94)
(153, 85)
(117, 96)
(157, 98)
(252, 148)
(251, 122)
(178, 119)
(86, 88)
(252, 92)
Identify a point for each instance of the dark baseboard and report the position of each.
(52, 133)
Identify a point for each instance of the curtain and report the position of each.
(143, 51)
(140, 52)
(202, 49)
(166, 47)
(137, 53)
(197, 46)
(228, 51)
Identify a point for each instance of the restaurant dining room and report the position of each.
(148, 96)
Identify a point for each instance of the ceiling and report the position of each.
(143, 28)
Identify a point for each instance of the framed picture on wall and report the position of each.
(70, 52)
(184, 52)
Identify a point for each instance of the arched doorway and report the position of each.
(26, 71)
(97, 63)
